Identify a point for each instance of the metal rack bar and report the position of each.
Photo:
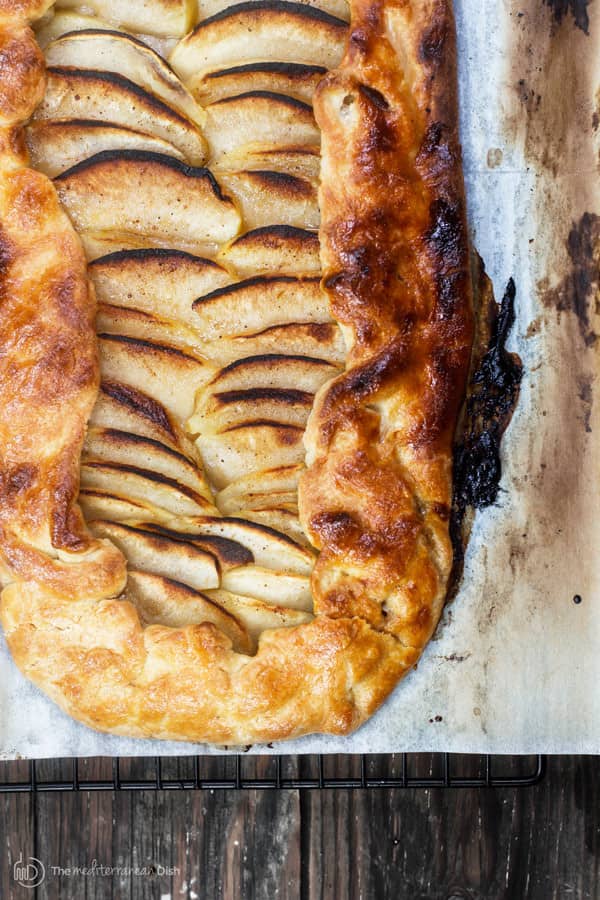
(449, 777)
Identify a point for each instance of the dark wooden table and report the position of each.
(540, 843)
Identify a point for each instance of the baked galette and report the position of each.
(235, 328)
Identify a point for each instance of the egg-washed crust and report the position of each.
(376, 496)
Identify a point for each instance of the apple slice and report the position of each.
(116, 446)
(160, 282)
(124, 55)
(160, 554)
(293, 79)
(216, 413)
(280, 479)
(280, 519)
(145, 485)
(240, 505)
(230, 554)
(99, 504)
(257, 156)
(164, 372)
(291, 591)
(270, 549)
(269, 31)
(159, 17)
(259, 116)
(272, 370)
(148, 194)
(163, 601)
(275, 250)
(246, 448)
(259, 303)
(128, 409)
(323, 339)
(61, 22)
(146, 326)
(273, 198)
(55, 146)
(339, 8)
(257, 616)
(109, 98)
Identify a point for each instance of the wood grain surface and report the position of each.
(540, 843)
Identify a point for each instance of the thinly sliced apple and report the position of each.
(230, 554)
(116, 446)
(323, 339)
(259, 116)
(272, 370)
(55, 146)
(283, 520)
(159, 17)
(278, 250)
(292, 79)
(124, 55)
(269, 31)
(61, 22)
(99, 504)
(160, 554)
(163, 601)
(144, 485)
(160, 282)
(146, 326)
(256, 615)
(239, 505)
(339, 8)
(257, 156)
(259, 303)
(147, 194)
(239, 451)
(291, 591)
(166, 373)
(270, 549)
(124, 407)
(266, 480)
(273, 198)
(216, 413)
(110, 98)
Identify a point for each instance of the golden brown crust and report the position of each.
(376, 496)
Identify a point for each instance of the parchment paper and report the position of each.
(515, 663)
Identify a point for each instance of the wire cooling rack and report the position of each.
(400, 770)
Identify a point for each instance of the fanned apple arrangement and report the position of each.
(193, 184)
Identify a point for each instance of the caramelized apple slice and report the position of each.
(160, 282)
(257, 304)
(259, 116)
(291, 591)
(293, 79)
(216, 413)
(157, 553)
(147, 486)
(164, 601)
(246, 448)
(258, 616)
(269, 30)
(276, 249)
(164, 372)
(55, 146)
(159, 17)
(110, 98)
(124, 55)
(272, 370)
(273, 198)
(147, 194)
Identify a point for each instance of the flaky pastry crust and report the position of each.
(375, 497)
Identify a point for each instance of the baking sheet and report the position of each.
(514, 664)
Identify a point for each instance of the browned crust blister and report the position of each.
(376, 495)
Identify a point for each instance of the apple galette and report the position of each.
(235, 331)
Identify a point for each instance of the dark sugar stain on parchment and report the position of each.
(492, 396)
(578, 292)
(577, 8)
